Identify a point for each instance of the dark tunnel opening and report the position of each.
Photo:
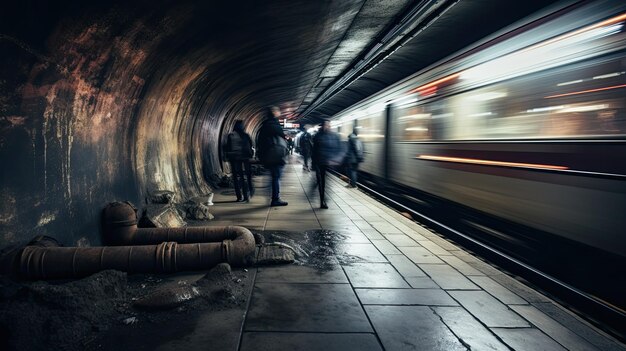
(112, 101)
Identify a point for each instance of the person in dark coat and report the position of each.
(272, 150)
(290, 145)
(326, 152)
(238, 152)
(306, 146)
(354, 156)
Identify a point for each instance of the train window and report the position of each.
(371, 127)
(343, 129)
(413, 123)
(587, 100)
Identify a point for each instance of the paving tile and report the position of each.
(363, 225)
(464, 256)
(385, 228)
(421, 230)
(291, 225)
(329, 225)
(353, 236)
(305, 308)
(461, 266)
(573, 323)
(420, 255)
(374, 275)
(468, 329)
(348, 252)
(329, 213)
(434, 248)
(332, 220)
(421, 283)
(411, 328)
(385, 247)
(300, 274)
(373, 218)
(488, 310)
(555, 330)
(220, 329)
(501, 293)
(254, 341)
(520, 289)
(527, 339)
(485, 268)
(426, 297)
(443, 243)
(404, 266)
(400, 225)
(447, 277)
(401, 240)
(353, 215)
(415, 236)
(373, 234)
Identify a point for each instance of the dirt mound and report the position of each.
(59, 316)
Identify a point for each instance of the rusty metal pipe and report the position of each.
(120, 228)
(77, 262)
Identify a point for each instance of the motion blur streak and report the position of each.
(435, 83)
(489, 162)
(586, 91)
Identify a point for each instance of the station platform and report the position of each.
(391, 284)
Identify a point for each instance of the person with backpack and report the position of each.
(326, 153)
(238, 152)
(272, 150)
(354, 156)
(306, 147)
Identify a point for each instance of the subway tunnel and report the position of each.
(111, 101)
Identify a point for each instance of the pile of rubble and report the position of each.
(162, 211)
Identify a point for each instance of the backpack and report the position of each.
(276, 151)
(239, 148)
(306, 142)
(358, 150)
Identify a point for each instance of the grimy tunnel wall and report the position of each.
(100, 103)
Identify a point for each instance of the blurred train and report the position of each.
(528, 126)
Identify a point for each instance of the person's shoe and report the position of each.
(323, 205)
(246, 200)
(239, 200)
(279, 202)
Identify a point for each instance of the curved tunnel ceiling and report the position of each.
(104, 101)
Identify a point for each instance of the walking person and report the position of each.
(238, 152)
(354, 156)
(272, 150)
(306, 147)
(326, 152)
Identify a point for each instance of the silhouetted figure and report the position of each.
(238, 152)
(326, 152)
(272, 150)
(354, 156)
(306, 147)
(290, 145)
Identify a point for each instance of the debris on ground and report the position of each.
(161, 197)
(161, 216)
(167, 297)
(76, 315)
(276, 253)
(197, 211)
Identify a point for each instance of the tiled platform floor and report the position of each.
(407, 289)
